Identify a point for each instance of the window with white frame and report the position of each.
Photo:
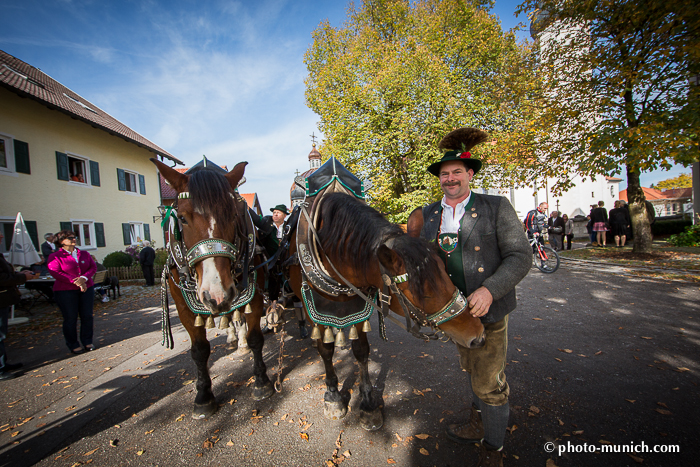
(7, 164)
(136, 232)
(130, 180)
(85, 231)
(77, 167)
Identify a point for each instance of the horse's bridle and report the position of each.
(184, 259)
(415, 317)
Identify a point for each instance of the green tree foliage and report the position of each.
(615, 91)
(398, 76)
(681, 181)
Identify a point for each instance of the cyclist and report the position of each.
(536, 221)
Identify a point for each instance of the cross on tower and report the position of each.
(297, 173)
(313, 138)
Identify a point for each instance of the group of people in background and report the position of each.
(617, 221)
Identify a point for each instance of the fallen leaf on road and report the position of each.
(682, 369)
(631, 401)
(89, 453)
(422, 436)
(424, 452)
(550, 463)
(207, 444)
(230, 443)
(304, 436)
(663, 411)
(113, 442)
(534, 409)
(390, 461)
(604, 441)
(537, 319)
(139, 453)
(577, 432)
(643, 337)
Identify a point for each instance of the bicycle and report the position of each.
(545, 258)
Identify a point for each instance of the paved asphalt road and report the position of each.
(594, 358)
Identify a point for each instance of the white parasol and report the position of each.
(22, 251)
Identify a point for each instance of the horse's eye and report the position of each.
(182, 219)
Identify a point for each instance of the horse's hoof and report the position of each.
(203, 411)
(263, 392)
(371, 421)
(243, 350)
(334, 410)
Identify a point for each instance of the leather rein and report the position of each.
(415, 316)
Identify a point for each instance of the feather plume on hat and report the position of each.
(462, 139)
(456, 146)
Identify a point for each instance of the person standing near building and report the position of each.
(486, 254)
(619, 223)
(147, 257)
(556, 231)
(73, 290)
(9, 296)
(568, 231)
(599, 218)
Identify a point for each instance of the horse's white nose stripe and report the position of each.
(211, 281)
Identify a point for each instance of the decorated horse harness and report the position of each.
(183, 259)
(315, 278)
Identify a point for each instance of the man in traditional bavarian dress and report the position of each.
(486, 254)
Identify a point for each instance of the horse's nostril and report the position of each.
(478, 342)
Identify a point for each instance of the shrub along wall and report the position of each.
(670, 227)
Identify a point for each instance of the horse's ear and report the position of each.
(415, 223)
(176, 180)
(390, 260)
(236, 174)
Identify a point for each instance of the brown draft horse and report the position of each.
(212, 223)
(354, 238)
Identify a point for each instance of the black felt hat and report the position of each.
(457, 143)
(280, 207)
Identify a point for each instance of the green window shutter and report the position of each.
(126, 232)
(142, 184)
(94, 173)
(33, 234)
(22, 157)
(67, 226)
(100, 234)
(62, 166)
(147, 232)
(121, 179)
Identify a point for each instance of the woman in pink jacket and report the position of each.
(73, 290)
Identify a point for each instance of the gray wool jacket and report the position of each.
(495, 250)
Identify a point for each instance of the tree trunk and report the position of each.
(638, 212)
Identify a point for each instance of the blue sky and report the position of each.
(222, 78)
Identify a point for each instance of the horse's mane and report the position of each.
(353, 231)
(210, 192)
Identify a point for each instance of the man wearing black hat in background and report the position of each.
(272, 231)
(486, 254)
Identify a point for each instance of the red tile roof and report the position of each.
(27, 81)
(166, 191)
(678, 193)
(613, 179)
(652, 194)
